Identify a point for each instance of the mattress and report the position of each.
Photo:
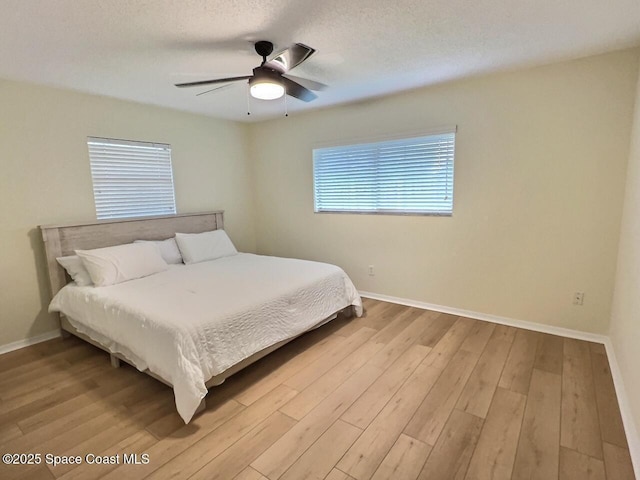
(192, 322)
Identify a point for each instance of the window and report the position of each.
(407, 176)
(131, 179)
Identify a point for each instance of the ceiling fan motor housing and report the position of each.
(265, 74)
(266, 83)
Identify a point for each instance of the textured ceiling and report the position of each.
(137, 49)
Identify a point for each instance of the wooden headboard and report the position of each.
(63, 240)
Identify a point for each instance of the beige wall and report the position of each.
(46, 179)
(625, 319)
(540, 170)
(541, 158)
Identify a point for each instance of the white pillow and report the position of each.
(168, 249)
(111, 265)
(198, 247)
(76, 270)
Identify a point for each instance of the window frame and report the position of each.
(364, 141)
(164, 169)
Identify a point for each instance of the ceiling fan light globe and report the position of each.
(266, 90)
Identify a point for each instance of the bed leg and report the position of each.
(115, 361)
(215, 383)
(64, 334)
(348, 312)
(202, 407)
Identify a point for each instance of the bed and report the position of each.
(192, 326)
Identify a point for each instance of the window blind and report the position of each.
(131, 179)
(407, 176)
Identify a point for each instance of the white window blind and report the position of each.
(408, 176)
(131, 179)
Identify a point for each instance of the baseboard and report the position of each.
(633, 437)
(10, 347)
(487, 317)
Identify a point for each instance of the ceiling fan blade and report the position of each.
(298, 91)
(290, 58)
(212, 82)
(214, 89)
(310, 84)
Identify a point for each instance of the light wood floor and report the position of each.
(399, 394)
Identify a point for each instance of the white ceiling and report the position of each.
(137, 49)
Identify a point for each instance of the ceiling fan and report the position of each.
(271, 79)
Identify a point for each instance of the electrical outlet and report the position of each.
(371, 270)
(578, 298)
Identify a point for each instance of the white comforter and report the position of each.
(192, 322)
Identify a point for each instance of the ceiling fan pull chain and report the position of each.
(248, 101)
(286, 111)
